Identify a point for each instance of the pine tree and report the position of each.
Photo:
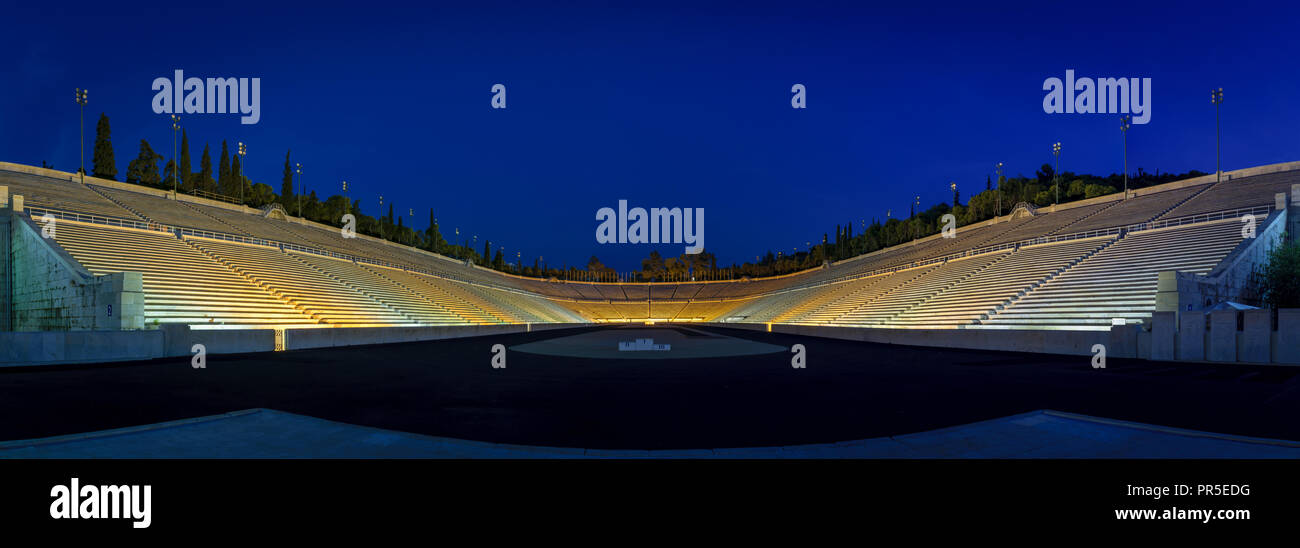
(187, 177)
(104, 166)
(205, 181)
(144, 169)
(224, 183)
(170, 170)
(286, 184)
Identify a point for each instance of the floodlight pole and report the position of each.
(998, 170)
(243, 150)
(298, 169)
(81, 101)
(176, 162)
(1123, 129)
(1216, 97)
(1056, 172)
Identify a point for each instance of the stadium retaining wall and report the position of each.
(172, 341)
(1225, 336)
(1230, 280)
(47, 290)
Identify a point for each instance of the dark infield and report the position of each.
(848, 391)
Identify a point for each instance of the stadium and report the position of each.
(1119, 311)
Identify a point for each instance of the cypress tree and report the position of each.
(224, 184)
(239, 186)
(104, 166)
(286, 184)
(205, 181)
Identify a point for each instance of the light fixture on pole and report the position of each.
(1124, 123)
(998, 170)
(1056, 172)
(298, 170)
(243, 150)
(953, 186)
(176, 164)
(916, 227)
(81, 101)
(1216, 97)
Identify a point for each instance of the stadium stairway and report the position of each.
(323, 297)
(61, 195)
(1081, 220)
(994, 288)
(434, 289)
(379, 289)
(830, 309)
(819, 297)
(879, 311)
(181, 284)
(1120, 280)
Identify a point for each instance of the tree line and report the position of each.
(1046, 187)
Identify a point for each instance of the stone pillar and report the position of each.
(1167, 291)
(6, 284)
(1293, 215)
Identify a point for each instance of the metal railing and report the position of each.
(1113, 231)
(38, 211)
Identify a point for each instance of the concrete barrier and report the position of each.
(1191, 336)
(1123, 341)
(54, 347)
(179, 340)
(1077, 343)
(1221, 344)
(298, 339)
(1164, 330)
(1287, 342)
(1254, 342)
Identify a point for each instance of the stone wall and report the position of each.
(47, 290)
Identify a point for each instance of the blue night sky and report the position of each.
(662, 104)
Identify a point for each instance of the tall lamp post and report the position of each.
(953, 186)
(1056, 173)
(1216, 97)
(998, 169)
(1124, 123)
(916, 227)
(176, 162)
(81, 101)
(298, 169)
(242, 152)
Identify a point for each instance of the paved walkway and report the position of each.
(265, 433)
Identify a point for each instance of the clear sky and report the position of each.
(662, 104)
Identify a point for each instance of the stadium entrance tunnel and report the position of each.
(661, 343)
